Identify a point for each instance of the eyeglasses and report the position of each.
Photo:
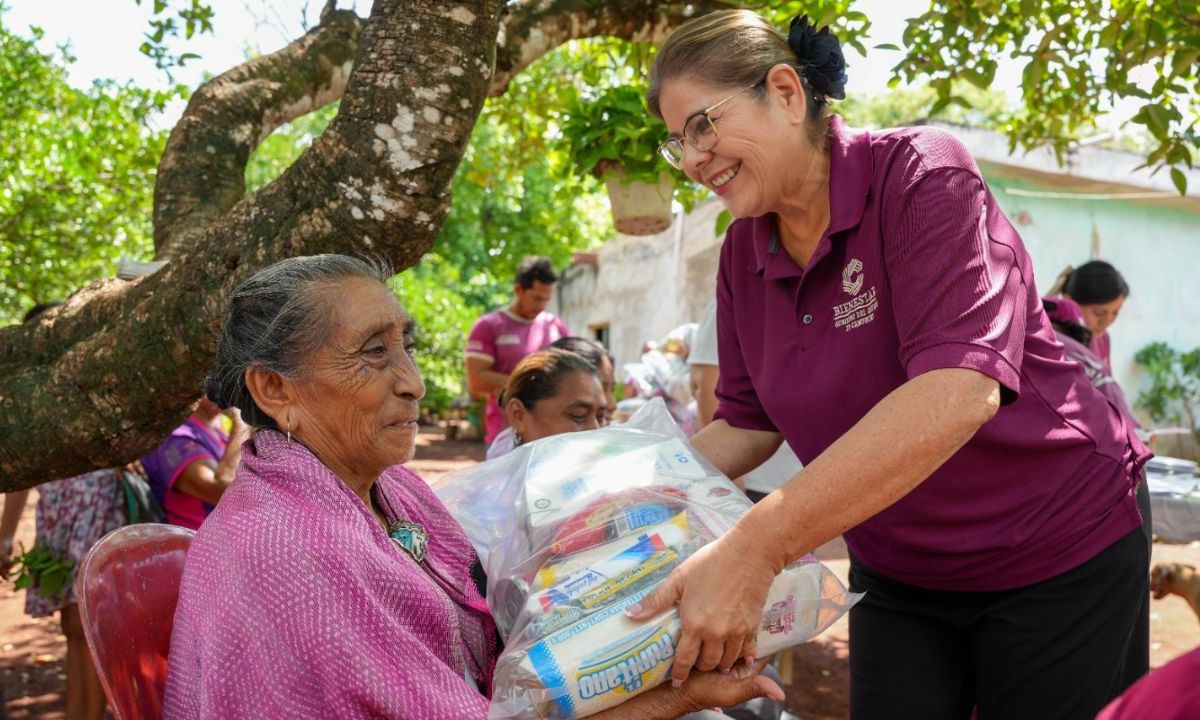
(700, 131)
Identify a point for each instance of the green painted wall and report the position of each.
(1156, 248)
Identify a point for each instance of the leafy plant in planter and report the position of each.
(1174, 394)
(613, 136)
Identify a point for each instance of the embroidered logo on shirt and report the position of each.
(508, 340)
(852, 279)
(860, 310)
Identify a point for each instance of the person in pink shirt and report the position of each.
(1100, 291)
(1168, 693)
(500, 339)
(191, 469)
(877, 310)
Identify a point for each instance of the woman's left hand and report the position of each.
(720, 592)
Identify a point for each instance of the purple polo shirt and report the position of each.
(919, 270)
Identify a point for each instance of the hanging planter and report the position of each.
(638, 207)
(613, 137)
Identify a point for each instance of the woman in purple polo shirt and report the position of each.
(878, 312)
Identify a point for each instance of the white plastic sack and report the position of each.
(574, 528)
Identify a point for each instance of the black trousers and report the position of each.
(1061, 648)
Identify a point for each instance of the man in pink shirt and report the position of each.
(501, 338)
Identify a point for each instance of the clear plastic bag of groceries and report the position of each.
(574, 528)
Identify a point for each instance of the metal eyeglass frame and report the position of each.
(672, 149)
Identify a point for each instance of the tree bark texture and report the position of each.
(103, 379)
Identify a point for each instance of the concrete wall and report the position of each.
(644, 287)
(1155, 245)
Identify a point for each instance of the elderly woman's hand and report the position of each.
(720, 591)
(722, 690)
(702, 690)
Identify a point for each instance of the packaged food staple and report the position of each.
(572, 529)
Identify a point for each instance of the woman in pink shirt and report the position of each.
(877, 310)
(1100, 291)
(191, 469)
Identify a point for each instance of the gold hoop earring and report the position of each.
(289, 426)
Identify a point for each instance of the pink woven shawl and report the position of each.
(295, 603)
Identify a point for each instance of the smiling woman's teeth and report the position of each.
(726, 176)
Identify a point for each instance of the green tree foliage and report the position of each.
(1174, 394)
(170, 21)
(1078, 58)
(902, 106)
(77, 174)
(432, 294)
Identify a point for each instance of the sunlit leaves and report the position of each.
(170, 20)
(613, 127)
(1079, 59)
(902, 106)
(850, 25)
(77, 171)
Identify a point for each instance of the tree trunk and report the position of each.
(103, 379)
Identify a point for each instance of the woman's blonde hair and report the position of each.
(728, 49)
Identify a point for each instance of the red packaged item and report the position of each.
(611, 516)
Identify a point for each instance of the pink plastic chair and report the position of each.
(128, 587)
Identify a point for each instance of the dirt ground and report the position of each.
(32, 650)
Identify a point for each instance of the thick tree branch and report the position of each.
(202, 171)
(533, 28)
(103, 379)
(201, 174)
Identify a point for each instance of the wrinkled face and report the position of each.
(746, 165)
(1099, 316)
(580, 404)
(360, 391)
(533, 300)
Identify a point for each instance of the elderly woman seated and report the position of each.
(330, 581)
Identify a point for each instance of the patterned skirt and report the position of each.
(72, 515)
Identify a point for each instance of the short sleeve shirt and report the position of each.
(919, 270)
(780, 467)
(506, 339)
(193, 441)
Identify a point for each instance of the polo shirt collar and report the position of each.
(851, 165)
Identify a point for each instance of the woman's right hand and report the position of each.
(238, 425)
